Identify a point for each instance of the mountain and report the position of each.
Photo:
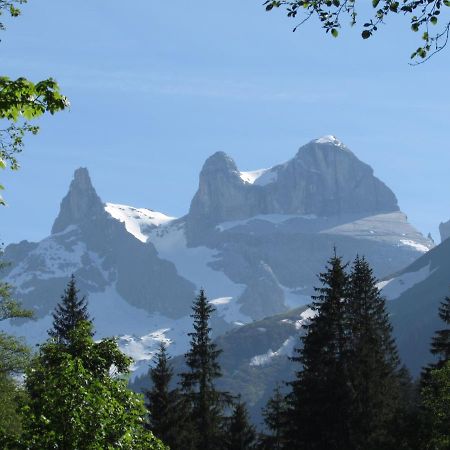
(254, 240)
(415, 293)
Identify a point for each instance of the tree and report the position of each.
(440, 345)
(77, 401)
(22, 100)
(436, 402)
(14, 356)
(240, 434)
(275, 420)
(69, 312)
(166, 410)
(372, 361)
(319, 402)
(423, 16)
(197, 384)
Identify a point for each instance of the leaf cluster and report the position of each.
(422, 14)
(78, 402)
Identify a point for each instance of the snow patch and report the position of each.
(137, 220)
(193, 263)
(260, 177)
(394, 287)
(286, 349)
(329, 139)
(415, 245)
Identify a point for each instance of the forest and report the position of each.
(350, 391)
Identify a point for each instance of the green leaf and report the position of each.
(334, 32)
(2, 164)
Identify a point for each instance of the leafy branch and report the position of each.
(22, 100)
(423, 15)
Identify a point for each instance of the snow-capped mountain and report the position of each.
(254, 240)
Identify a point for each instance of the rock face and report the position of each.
(87, 242)
(324, 179)
(80, 203)
(444, 230)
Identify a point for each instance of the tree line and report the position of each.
(350, 390)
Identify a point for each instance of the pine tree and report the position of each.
(206, 402)
(372, 361)
(166, 418)
(320, 399)
(240, 435)
(275, 420)
(440, 345)
(68, 313)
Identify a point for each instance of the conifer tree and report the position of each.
(166, 418)
(240, 435)
(68, 313)
(372, 361)
(440, 345)
(320, 399)
(275, 420)
(206, 402)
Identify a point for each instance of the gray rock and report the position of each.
(324, 179)
(444, 230)
(80, 203)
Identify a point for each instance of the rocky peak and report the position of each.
(324, 179)
(80, 203)
(219, 164)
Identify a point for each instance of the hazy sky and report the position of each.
(156, 87)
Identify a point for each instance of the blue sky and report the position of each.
(156, 87)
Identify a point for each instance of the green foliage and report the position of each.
(319, 403)
(68, 313)
(167, 415)
(276, 420)
(76, 403)
(436, 402)
(372, 362)
(10, 421)
(350, 392)
(205, 403)
(14, 353)
(22, 100)
(422, 14)
(240, 434)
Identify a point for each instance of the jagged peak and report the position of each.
(80, 202)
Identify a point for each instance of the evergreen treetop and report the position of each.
(68, 313)
(320, 397)
(276, 422)
(240, 435)
(167, 418)
(372, 361)
(205, 402)
(440, 345)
